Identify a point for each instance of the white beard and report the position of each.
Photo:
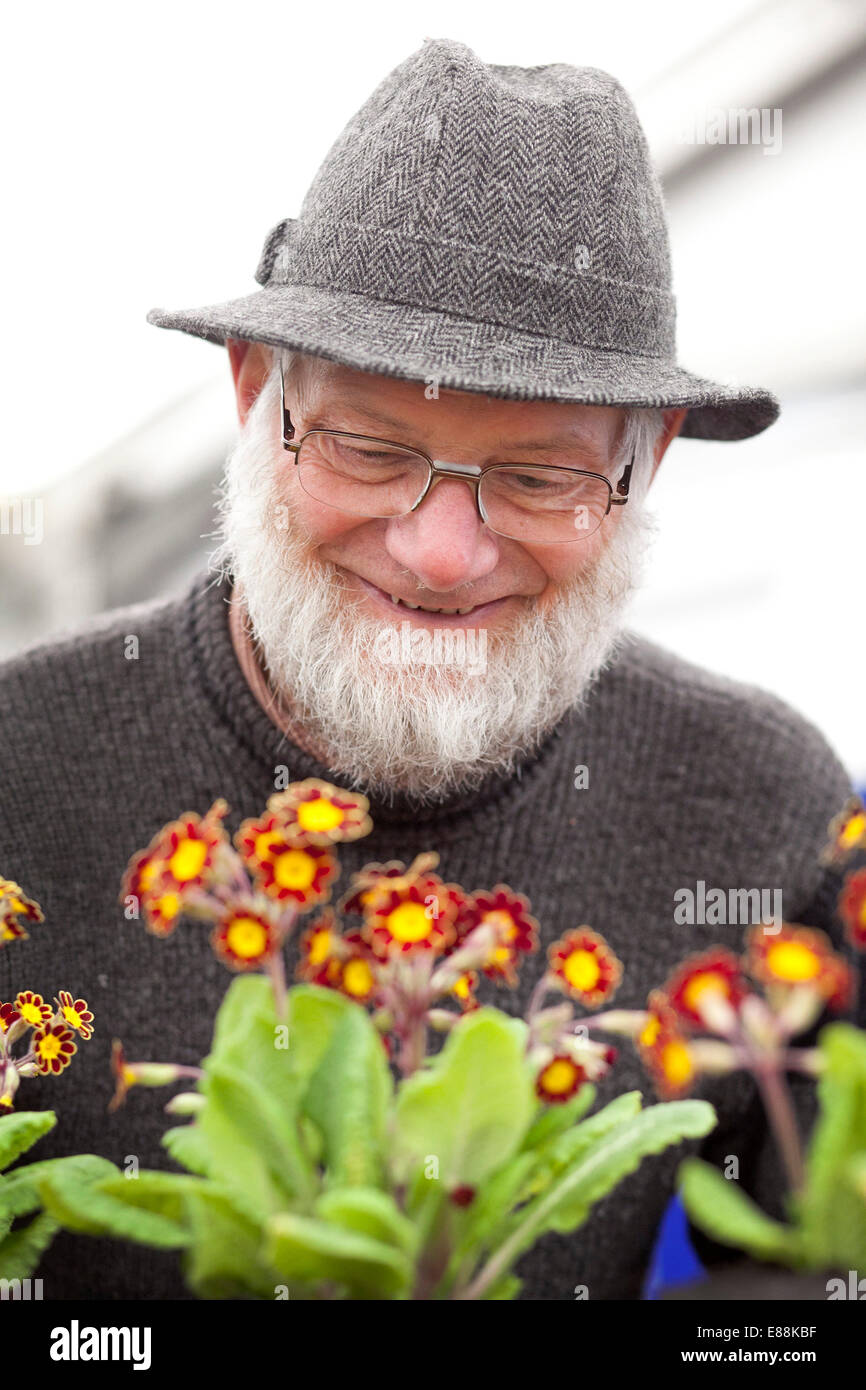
(425, 730)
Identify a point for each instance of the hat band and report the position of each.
(455, 278)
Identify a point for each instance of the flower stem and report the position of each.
(277, 972)
(780, 1111)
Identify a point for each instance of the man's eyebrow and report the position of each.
(567, 441)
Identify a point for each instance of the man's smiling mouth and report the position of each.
(396, 603)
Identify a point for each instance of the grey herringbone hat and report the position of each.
(497, 228)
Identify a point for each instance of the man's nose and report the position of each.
(445, 542)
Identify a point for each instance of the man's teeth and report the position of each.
(450, 611)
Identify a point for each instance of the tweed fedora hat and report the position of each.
(494, 228)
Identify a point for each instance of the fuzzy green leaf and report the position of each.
(308, 1252)
(224, 1258)
(189, 1148)
(20, 1131)
(471, 1108)
(19, 1190)
(833, 1220)
(347, 1100)
(81, 1206)
(24, 1247)
(564, 1205)
(369, 1211)
(727, 1214)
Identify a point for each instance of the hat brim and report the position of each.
(463, 354)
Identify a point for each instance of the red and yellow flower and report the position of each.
(14, 904)
(797, 957)
(584, 966)
(417, 916)
(559, 1079)
(54, 1047)
(319, 950)
(32, 1008)
(8, 1015)
(711, 979)
(463, 990)
(299, 873)
(325, 814)
(243, 938)
(75, 1013)
(846, 832)
(516, 929)
(664, 1050)
(179, 860)
(357, 976)
(852, 908)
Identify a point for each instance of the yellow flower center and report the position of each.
(48, 1047)
(168, 906)
(319, 814)
(853, 829)
(793, 962)
(357, 978)
(294, 869)
(582, 970)
(246, 937)
(676, 1063)
(129, 1076)
(187, 860)
(461, 988)
(409, 922)
(650, 1031)
(503, 921)
(72, 1015)
(31, 1013)
(558, 1077)
(320, 946)
(697, 988)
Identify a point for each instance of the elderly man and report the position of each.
(455, 385)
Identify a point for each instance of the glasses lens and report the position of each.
(359, 475)
(545, 506)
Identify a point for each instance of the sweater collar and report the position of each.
(236, 686)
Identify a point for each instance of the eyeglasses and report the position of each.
(365, 476)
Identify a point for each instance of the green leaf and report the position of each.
(566, 1202)
(20, 1131)
(253, 1144)
(727, 1214)
(81, 1206)
(248, 1036)
(309, 1252)
(19, 1190)
(369, 1211)
(555, 1119)
(471, 1109)
(833, 1220)
(481, 1222)
(224, 1259)
(347, 1100)
(165, 1194)
(24, 1247)
(189, 1147)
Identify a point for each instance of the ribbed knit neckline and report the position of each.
(226, 689)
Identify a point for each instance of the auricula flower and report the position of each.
(243, 938)
(852, 908)
(559, 1079)
(583, 966)
(75, 1014)
(323, 813)
(53, 1046)
(415, 917)
(706, 990)
(846, 832)
(516, 929)
(15, 904)
(32, 1008)
(798, 957)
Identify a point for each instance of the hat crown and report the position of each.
(505, 194)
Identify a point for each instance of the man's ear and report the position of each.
(250, 364)
(673, 423)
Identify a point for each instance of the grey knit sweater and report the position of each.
(691, 777)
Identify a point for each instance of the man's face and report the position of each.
(442, 556)
(322, 588)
